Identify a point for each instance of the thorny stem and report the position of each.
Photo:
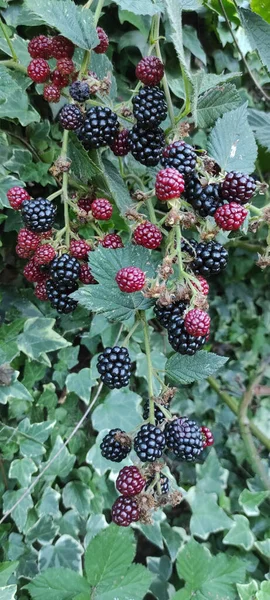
(179, 251)
(65, 188)
(149, 370)
(155, 35)
(151, 210)
(10, 45)
(12, 64)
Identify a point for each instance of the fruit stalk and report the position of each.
(155, 37)
(65, 189)
(149, 370)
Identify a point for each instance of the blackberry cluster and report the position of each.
(59, 297)
(184, 438)
(38, 215)
(180, 340)
(70, 117)
(180, 156)
(114, 366)
(149, 107)
(115, 445)
(211, 258)
(79, 91)
(99, 128)
(149, 443)
(64, 272)
(146, 145)
(159, 415)
(205, 200)
(165, 313)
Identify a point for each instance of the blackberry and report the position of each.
(149, 107)
(38, 70)
(65, 66)
(38, 215)
(204, 199)
(59, 297)
(103, 41)
(114, 366)
(180, 340)
(62, 47)
(197, 322)
(146, 145)
(159, 415)
(79, 91)
(189, 247)
(211, 258)
(70, 117)
(115, 445)
(165, 313)
(64, 270)
(230, 216)
(184, 438)
(150, 70)
(51, 93)
(130, 279)
(125, 510)
(99, 129)
(149, 443)
(130, 481)
(180, 156)
(40, 47)
(238, 187)
(120, 146)
(164, 483)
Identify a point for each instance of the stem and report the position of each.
(12, 64)
(2, 469)
(65, 188)
(98, 11)
(156, 24)
(149, 370)
(130, 333)
(10, 45)
(245, 245)
(151, 210)
(54, 195)
(179, 252)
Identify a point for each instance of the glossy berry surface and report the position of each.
(125, 511)
(23, 252)
(70, 117)
(208, 438)
(28, 239)
(130, 481)
(64, 269)
(120, 145)
(146, 145)
(113, 241)
(114, 366)
(51, 93)
(184, 438)
(40, 47)
(211, 258)
(62, 47)
(165, 313)
(58, 79)
(159, 415)
(102, 209)
(103, 41)
(230, 216)
(79, 248)
(238, 187)
(86, 276)
(16, 195)
(150, 70)
(85, 204)
(149, 107)
(203, 285)
(130, 279)
(169, 184)
(65, 66)
(149, 443)
(38, 215)
(41, 292)
(180, 156)
(115, 445)
(147, 235)
(38, 70)
(180, 340)
(189, 247)
(79, 91)
(32, 272)
(99, 128)
(44, 254)
(204, 199)
(197, 322)
(59, 297)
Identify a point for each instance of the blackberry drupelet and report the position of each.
(159, 415)
(115, 445)
(211, 258)
(180, 156)
(165, 313)
(146, 145)
(114, 366)
(149, 443)
(64, 270)
(204, 199)
(238, 187)
(79, 91)
(38, 215)
(59, 297)
(70, 117)
(189, 247)
(99, 129)
(180, 340)
(149, 107)
(184, 438)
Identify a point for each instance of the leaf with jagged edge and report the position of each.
(258, 33)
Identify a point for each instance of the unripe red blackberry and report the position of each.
(203, 286)
(197, 322)
(79, 248)
(44, 254)
(182, 341)
(230, 216)
(62, 47)
(101, 209)
(169, 184)
(113, 241)
(103, 41)
(58, 79)
(70, 117)
(32, 272)
(40, 291)
(85, 203)
(65, 66)
(51, 93)
(147, 235)
(120, 145)
(86, 276)
(125, 511)
(130, 481)
(28, 239)
(150, 70)
(40, 47)
(23, 252)
(38, 70)
(208, 438)
(238, 187)
(16, 196)
(130, 279)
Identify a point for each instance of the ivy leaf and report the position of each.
(8, 592)
(6, 570)
(43, 531)
(77, 495)
(186, 369)
(57, 584)
(232, 143)
(14, 102)
(240, 534)
(72, 21)
(15, 390)
(39, 337)
(141, 7)
(215, 102)
(66, 552)
(81, 384)
(121, 408)
(247, 591)
(258, 32)
(250, 501)
(211, 476)
(117, 187)
(22, 470)
(19, 514)
(63, 464)
(207, 516)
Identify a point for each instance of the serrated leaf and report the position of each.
(215, 102)
(261, 7)
(240, 534)
(20, 47)
(66, 552)
(258, 32)
(72, 21)
(121, 408)
(81, 164)
(186, 369)
(174, 10)
(232, 143)
(260, 124)
(133, 586)
(22, 469)
(57, 584)
(108, 557)
(142, 7)
(39, 337)
(117, 187)
(78, 495)
(19, 514)
(250, 501)
(15, 390)
(81, 383)
(102, 66)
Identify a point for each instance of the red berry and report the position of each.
(230, 216)
(59, 79)
(32, 273)
(203, 286)
(23, 252)
(86, 275)
(62, 47)
(125, 511)
(44, 254)
(16, 195)
(238, 187)
(120, 146)
(79, 248)
(208, 438)
(46, 235)
(65, 66)
(197, 322)
(40, 291)
(130, 279)
(38, 70)
(85, 204)
(51, 93)
(40, 47)
(148, 235)
(102, 209)
(103, 41)
(150, 70)
(130, 482)
(28, 239)
(169, 184)
(113, 241)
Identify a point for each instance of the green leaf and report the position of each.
(231, 142)
(49, 503)
(66, 552)
(261, 7)
(8, 592)
(141, 7)
(95, 524)
(207, 516)
(5, 184)
(240, 534)
(174, 11)
(22, 469)
(14, 102)
(20, 47)
(39, 337)
(31, 444)
(247, 591)
(264, 592)
(102, 66)
(133, 586)
(72, 21)
(9, 335)
(81, 383)
(215, 102)
(81, 164)
(108, 557)
(193, 44)
(211, 476)
(264, 547)
(19, 514)
(121, 408)
(57, 584)
(250, 501)
(258, 32)
(260, 124)
(15, 390)
(6, 570)
(186, 369)
(64, 462)
(78, 495)
(117, 187)
(43, 531)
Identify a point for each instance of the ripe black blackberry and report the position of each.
(159, 415)
(38, 215)
(70, 117)
(146, 145)
(164, 484)
(99, 128)
(64, 270)
(79, 91)
(149, 443)
(238, 187)
(115, 445)
(184, 438)
(59, 297)
(189, 247)
(180, 156)
(165, 313)
(149, 107)
(205, 200)
(180, 340)
(114, 366)
(211, 258)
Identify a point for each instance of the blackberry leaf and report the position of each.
(186, 369)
